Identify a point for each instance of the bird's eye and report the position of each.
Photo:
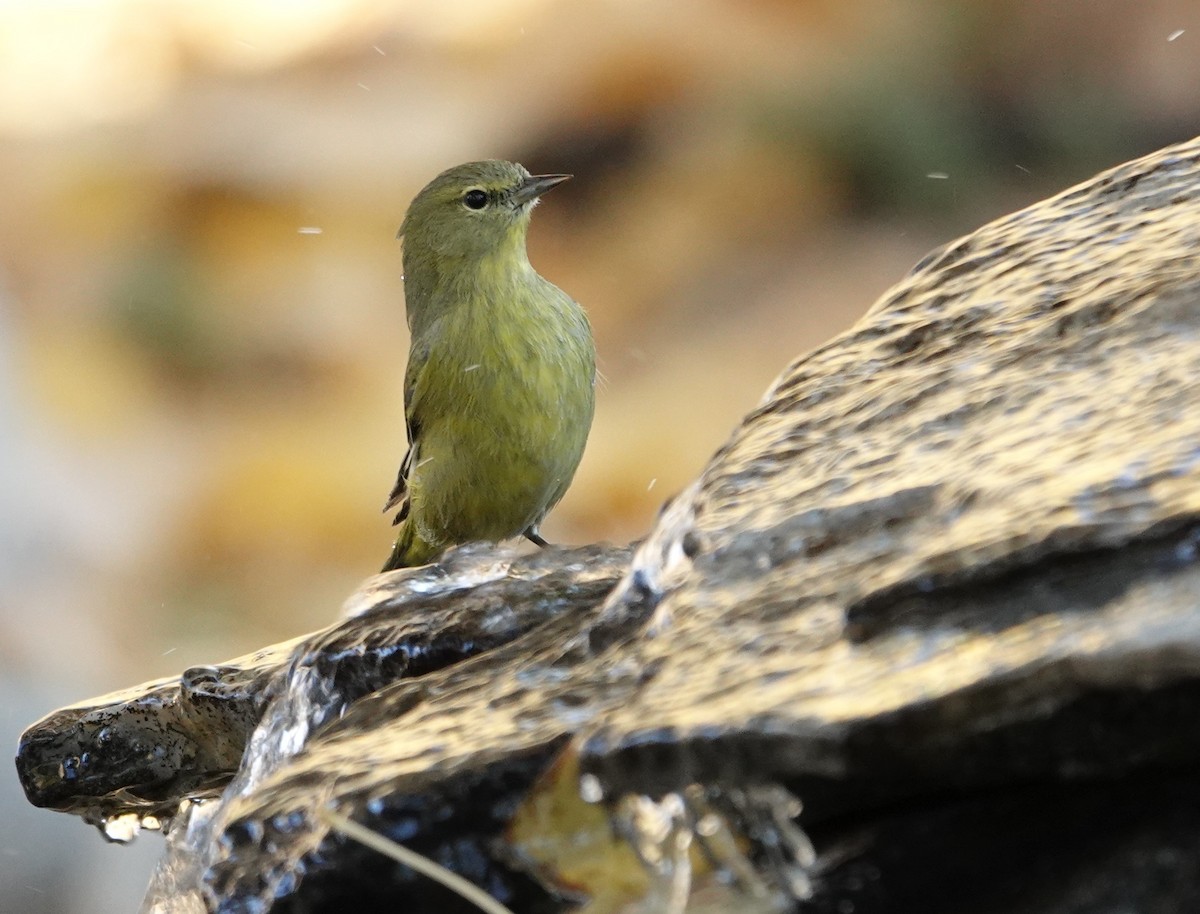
(475, 199)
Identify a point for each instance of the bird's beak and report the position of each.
(535, 186)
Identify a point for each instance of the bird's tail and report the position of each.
(410, 549)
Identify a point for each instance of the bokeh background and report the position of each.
(202, 337)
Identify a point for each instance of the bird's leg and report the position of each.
(534, 537)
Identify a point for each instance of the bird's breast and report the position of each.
(515, 358)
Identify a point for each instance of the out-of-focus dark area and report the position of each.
(202, 334)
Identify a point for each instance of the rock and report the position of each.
(143, 750)
(941, 585)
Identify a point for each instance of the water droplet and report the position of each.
(590, 790)
(122, 829)
(243, 834)
(68, 768)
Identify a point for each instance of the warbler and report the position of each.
(499, 389)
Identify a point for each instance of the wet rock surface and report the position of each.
(143, 750)
(942, 585)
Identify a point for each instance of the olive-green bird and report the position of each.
(499, 389)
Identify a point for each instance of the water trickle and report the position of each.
(281, 733)
(663, 832)
(662, 838)
(769, 813)
(174, 887)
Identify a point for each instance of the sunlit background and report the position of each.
(202, 337)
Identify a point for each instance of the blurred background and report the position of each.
(202, 335)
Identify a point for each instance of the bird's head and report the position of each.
(474, 211)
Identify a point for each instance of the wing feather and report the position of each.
(412, 426)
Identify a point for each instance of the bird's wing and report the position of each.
(412, 424)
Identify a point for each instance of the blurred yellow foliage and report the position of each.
(89, 382)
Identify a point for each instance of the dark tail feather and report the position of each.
(395, 560)
(409, 550)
